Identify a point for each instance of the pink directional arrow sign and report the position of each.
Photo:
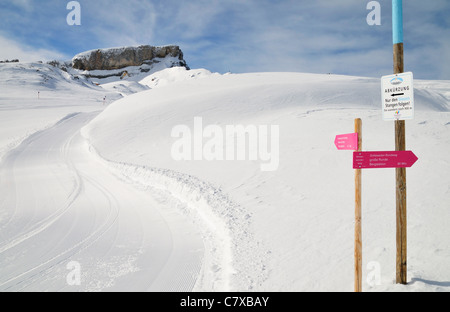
(374, 160)
(347, 142)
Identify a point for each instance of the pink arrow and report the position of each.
(374, 160)
(347, 142)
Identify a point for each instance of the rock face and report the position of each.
(117, 58)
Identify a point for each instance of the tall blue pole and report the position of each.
(400, 145)
(397, 35)
(397, 21)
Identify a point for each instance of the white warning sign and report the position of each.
(398, 96)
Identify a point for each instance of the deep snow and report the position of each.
(294, 227)
(286, 230)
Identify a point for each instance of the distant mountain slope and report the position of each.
(40, 76)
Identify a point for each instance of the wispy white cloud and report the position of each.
(120, 22)
(27, 5)
(244, 35)
(14, 50)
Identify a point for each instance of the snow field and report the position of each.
(213, 225)
(300, 217)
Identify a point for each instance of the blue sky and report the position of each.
(315, 36)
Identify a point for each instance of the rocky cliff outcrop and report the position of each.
(117, 58)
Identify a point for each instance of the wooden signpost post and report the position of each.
(400, 145)
(353, 142)
(358, 214)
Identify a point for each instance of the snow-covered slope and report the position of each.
(173, 75)
(135, 218)
(34, 77)
(35, 96)
(290, 229)
(60, 208)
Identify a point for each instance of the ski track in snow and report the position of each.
(67, 207)
(224, 224)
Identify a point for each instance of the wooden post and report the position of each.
(401, 215)
(358, 215)
(400, 145)
(398, 58)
